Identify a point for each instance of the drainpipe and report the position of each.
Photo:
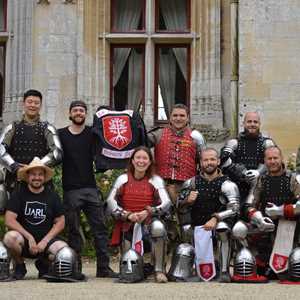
(234, 8)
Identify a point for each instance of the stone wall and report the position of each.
(269, 49)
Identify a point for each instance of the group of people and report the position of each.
(244, 201)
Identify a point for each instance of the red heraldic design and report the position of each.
(279, 262)
(206, 271)
(117, 131)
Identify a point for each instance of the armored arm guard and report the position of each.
(5, 139)
(113, 208)
(55, 155)
(199, 139)
(165, 201)
(186, 188)
(231, 192)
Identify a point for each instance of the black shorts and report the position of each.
(26, 253)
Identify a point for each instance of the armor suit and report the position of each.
(217, 198)
(20, 142)
(242, 159)
(272, 199)
(126, 197)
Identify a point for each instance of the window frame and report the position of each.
(188, 19)
(112, 14)
(111, 88)
(156, 78)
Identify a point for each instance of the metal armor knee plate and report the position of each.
(182, 262)
(65, 266)
(131, 267)
(294, 265)
(4, 263)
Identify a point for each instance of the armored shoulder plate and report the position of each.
(230, 190)
(190, 183)
(268, 143)
(231, 145)
(157, 182)
(122, 179)
(198, 138)
(5, 130)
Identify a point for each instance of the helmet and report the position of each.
(182, 262)
(65, 266)
(294, 265)
(4, 263)
(131, 267)
(244, 263)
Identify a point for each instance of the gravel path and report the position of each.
(96, 288)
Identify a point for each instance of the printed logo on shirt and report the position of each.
(35, 212)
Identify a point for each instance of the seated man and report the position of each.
(214, 202)
(34, 215)
(136, 201)
(273, 199)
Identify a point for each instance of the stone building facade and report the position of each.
(229, 56)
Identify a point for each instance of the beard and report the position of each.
(36, 184)
(209, 170)
(77, 122)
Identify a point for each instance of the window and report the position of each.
(150, 59)
(127, 15)
(172, 78)
(172, 16)
(3, 15)
(127, 76)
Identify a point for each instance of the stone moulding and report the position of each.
(43, 1)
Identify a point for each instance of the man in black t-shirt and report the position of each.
(80, 191)
(35, 217)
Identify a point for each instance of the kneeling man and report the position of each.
(34, 215)
(214, 202)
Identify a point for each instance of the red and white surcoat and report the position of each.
(175, 155)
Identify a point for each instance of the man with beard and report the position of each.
(274, 198)
(242, 159)
(214, 202)
(35, 217)
(79, 185)
(22, 140)
(176, 149)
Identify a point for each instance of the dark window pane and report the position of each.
(2, 15)
(173, 15)
(127, 15)
(127, 80)
(172, 83)
(2, 76)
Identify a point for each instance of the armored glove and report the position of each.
(264, 224)
(251, 175)
(274, 211)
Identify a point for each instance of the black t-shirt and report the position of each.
(36, 212)
(78, 159)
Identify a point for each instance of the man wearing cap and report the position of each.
(34, 216)
(79, 185)
(22, 140)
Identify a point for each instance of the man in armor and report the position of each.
(242, 159)
(176, 149)
(272, 210)
(23, 140)
(137, 200)
(34, 216)
(214, 203)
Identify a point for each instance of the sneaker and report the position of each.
(42, 266)
(107, 273)
(20, 271)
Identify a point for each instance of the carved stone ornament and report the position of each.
(68, 1)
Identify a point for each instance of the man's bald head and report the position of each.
(252, 123)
